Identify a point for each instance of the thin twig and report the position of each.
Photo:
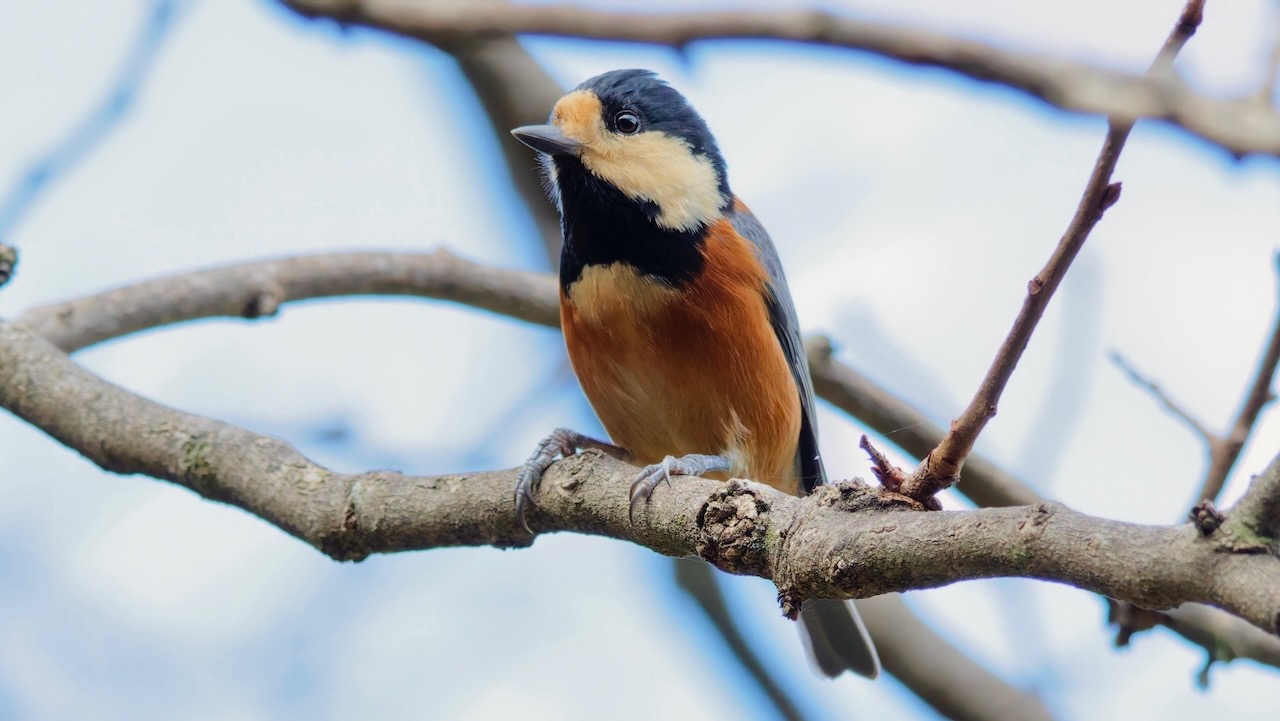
(1224, 451)
(941, 468)
(1240, 126)
(1164, 399)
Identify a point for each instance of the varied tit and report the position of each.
(676, 315)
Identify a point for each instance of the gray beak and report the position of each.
(547, 139)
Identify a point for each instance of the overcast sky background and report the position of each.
(910, 208)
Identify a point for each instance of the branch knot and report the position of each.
(732, 526)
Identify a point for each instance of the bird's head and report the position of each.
(630, 131)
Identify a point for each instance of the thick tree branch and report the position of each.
(1241, 126)
(253, 290)
(815, 547)
(257, 289)
(225, 291)
(941, 467)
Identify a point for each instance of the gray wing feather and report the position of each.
(834, 635)
(782, 313)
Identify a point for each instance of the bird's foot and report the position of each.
(694, 464)
(561, 443)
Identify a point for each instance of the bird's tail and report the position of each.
(836, 640)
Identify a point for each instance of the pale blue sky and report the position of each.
(910, 208)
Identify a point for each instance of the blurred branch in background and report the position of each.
(939, 673)
(101, 120)
(515, 91)
(698, 579)
(1223, 450)
(1223, 453)
(227, 291)
(911, 652)
(1240, 126)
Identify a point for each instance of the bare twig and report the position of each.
(1163, 398)
(1241, 126)
(812, 547)
(941, 467)
(1224, 451)
(880, 466)
(905, 426)
(1223, 637)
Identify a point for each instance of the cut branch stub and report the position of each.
(8, 261)
(731, 529)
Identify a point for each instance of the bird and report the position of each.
(676, 316)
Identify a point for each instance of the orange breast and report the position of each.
(696, 370)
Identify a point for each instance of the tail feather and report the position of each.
(836, 640)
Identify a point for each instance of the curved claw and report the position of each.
(524, 498)
(652, 475)
(562, 442)
(640, 492)
(556, 444)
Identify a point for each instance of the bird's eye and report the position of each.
(626, 122)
